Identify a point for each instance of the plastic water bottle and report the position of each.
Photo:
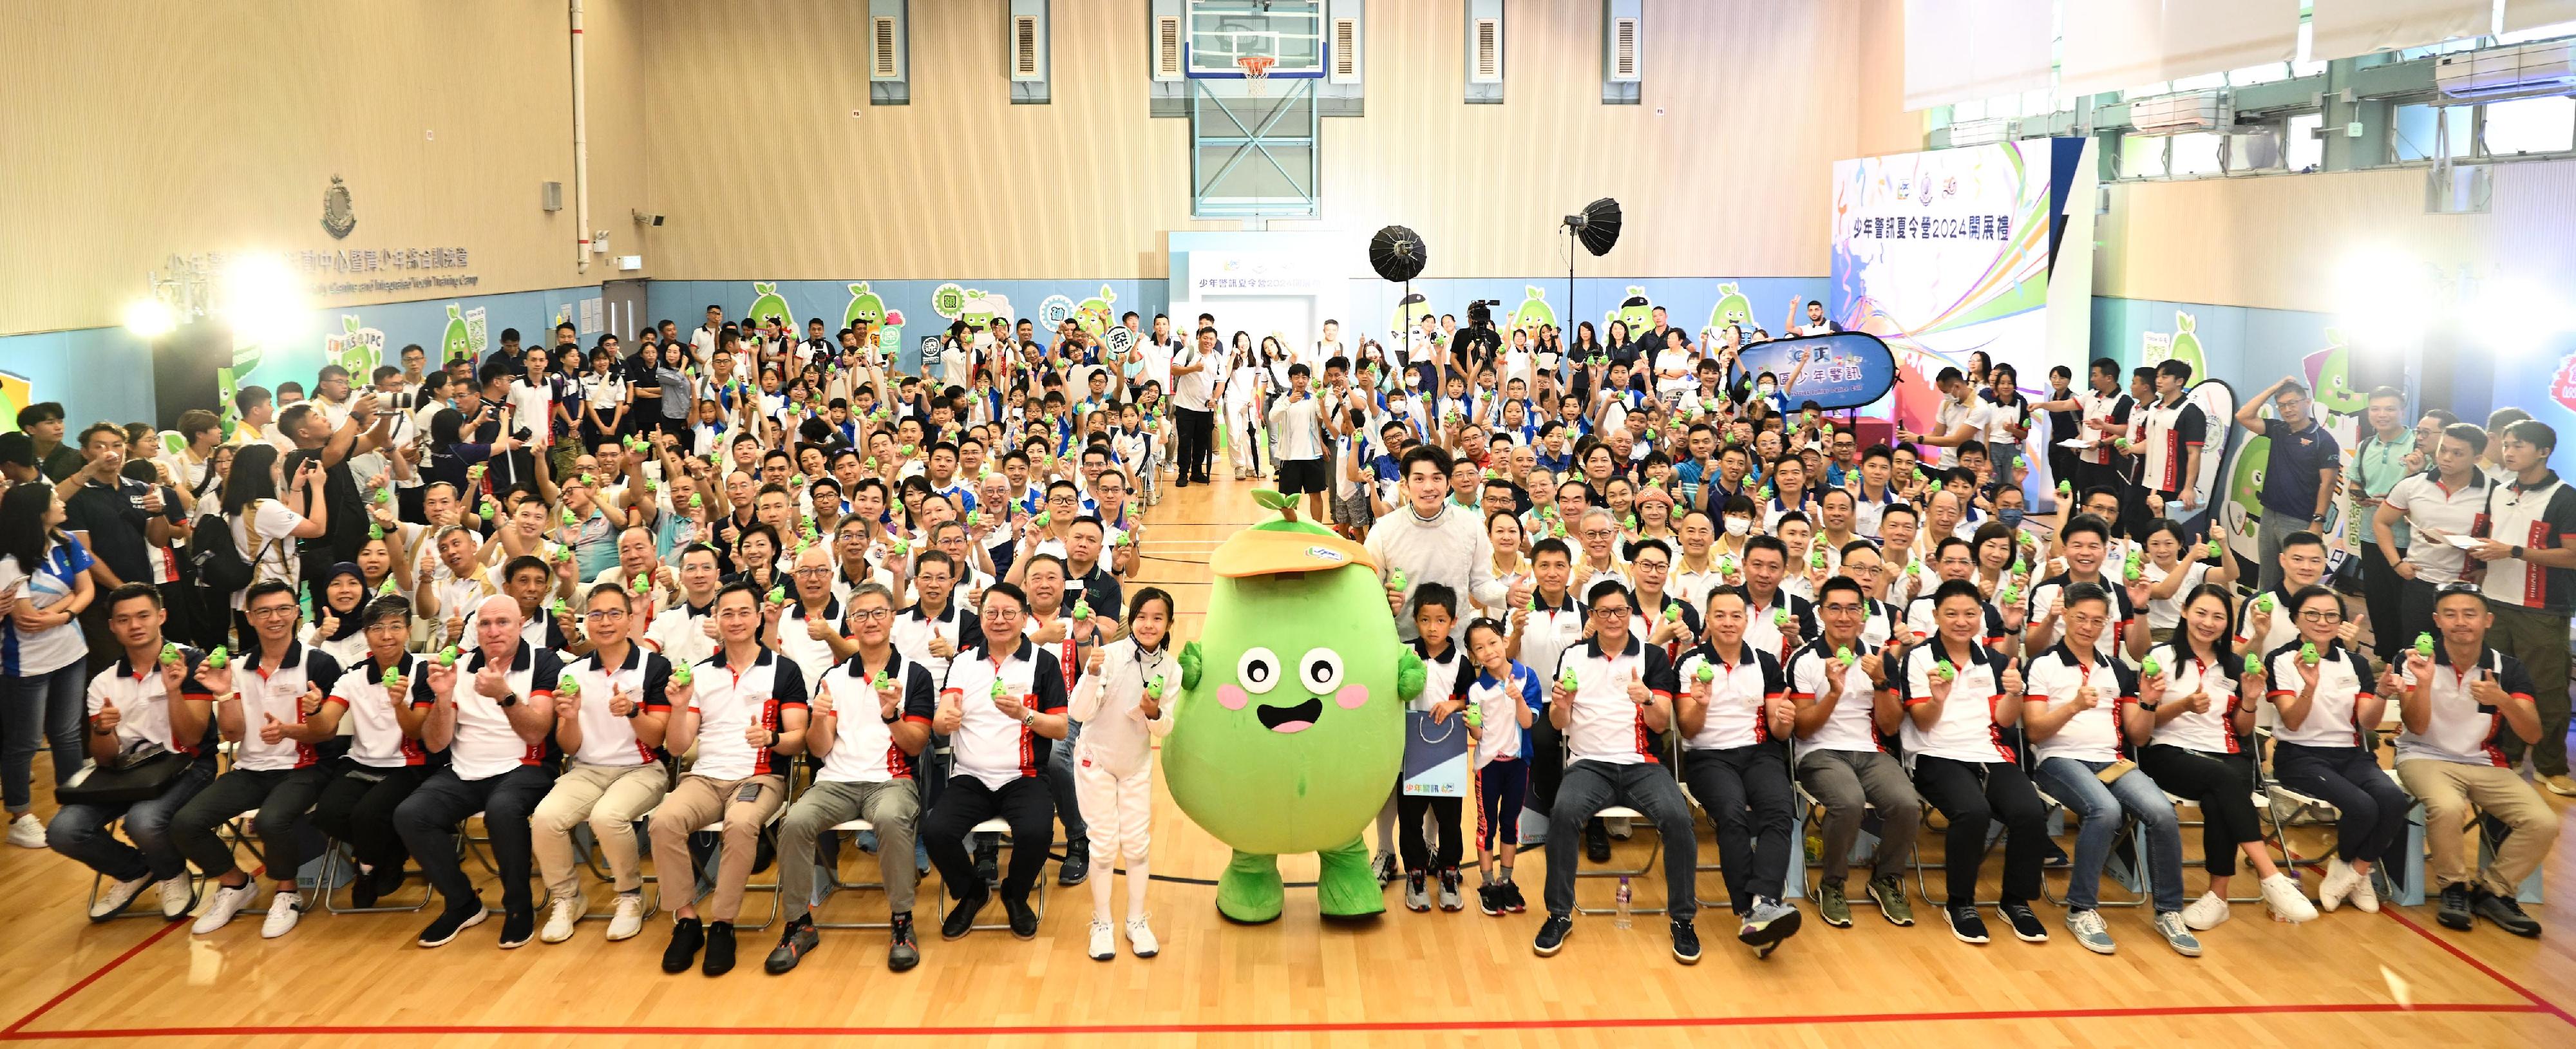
(1625, 896)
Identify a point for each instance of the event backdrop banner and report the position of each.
(1950, 252)
(1843, 370)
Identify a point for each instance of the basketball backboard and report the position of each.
(1288, 32)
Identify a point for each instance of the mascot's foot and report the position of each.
(1347, 888)
(1249, 891)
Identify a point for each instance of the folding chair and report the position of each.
(1923, 882)
(1793, 884)
(832, 884)
(996, 825)
(336, 859)
(1865, 845)
(239, 832)
(2303, 809)
(2411, 893)
(706, 873)
(135, 908)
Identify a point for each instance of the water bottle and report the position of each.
(1625, 895)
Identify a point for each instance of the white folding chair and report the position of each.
(996, 825)
(831, 882)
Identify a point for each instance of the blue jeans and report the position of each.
(33, 707)
(2073, 783)
(80, 831)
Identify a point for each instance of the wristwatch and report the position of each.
(892, 718)
(506, 701)
(774, 736)
(2517, 553)
(1029, 719)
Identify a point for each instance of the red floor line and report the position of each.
(2545, 1004)
(92, 978)
(1275, 1028)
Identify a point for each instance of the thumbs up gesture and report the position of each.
(756, 734)
(2086, 698)
(271, 730)
(107, 718)
(309, 703)
(1637, 691)
(2487, 691)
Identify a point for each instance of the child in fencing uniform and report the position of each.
(1123, 700)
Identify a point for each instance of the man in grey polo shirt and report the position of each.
(2299, 478)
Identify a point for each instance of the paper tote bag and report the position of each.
(1435, 756)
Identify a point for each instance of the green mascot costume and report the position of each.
(1290, 731)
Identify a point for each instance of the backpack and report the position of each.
(218, 563)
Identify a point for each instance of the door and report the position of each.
(622, 308)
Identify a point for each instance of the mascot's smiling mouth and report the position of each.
(1297, 718)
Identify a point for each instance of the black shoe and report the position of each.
(2025, 924)
(2056, 859)
(905, 952)
(1024, 918)
(1077, 864)
(686, 937)
(1489, 899)
(961, 917)
(2506, 913)
(988, 861)
(1551, 935)
(2455, 913)
(1966, 925)
(364, 890)
(799, 940)
(719, 949)
(1685, 942)
(1512, 900)
(449, 922)
(1596, 842)
(517, 928)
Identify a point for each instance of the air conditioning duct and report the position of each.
(1985, 132)
(2527, 69)
(2183, 113)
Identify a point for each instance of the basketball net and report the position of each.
(1256, 71)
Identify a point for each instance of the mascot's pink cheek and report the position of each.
(1351, 696)
(1231, 697)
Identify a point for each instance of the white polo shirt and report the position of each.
(1604, 725)
(2054, 678)
(143, 705)
(2427, 504)
(2212, 731)
(989, 745)
(278, 693)
(1966, 730)
(2343, 678)
(863, 749)
(376, 738)
(729, 703)
(1746, 679)
(2463, 730)
(485, 745)
(609, 739)
(1853, 725)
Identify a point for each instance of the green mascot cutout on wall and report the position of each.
(1290, 732)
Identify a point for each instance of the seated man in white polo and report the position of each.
(1001, 705)
(1614, 717)
(868, 773)
(2462, 696)
(611, 726)
(744, 711)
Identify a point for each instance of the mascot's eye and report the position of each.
(1321, 671)
(1258, 671)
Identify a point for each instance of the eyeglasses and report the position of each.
(272, 612)
(1611, 612)
(871, 615)
(604, 614)
(2321, 615)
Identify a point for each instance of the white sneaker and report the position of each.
(1140, 937)
(2338, 884)
(2364, 894)
(1104, 944)
(2205, 913)
(116, 895)
(629, 918)
(176, 897)
(2281, 894)
(560, 919)
(27, 832)
(283, 909)
(227, 901)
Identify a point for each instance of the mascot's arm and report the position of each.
(1190, 661)
(1409, 674)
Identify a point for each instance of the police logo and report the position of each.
(338, 217)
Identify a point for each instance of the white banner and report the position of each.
(1220, 273)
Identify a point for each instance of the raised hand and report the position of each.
(107, 717)
(1638, 693)
(271, 730)
(490, 682)
(756, 734)
(310, 702)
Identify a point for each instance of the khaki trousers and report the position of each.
(2449, 790)
(695, 802)
(608, 797)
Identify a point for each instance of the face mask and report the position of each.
(1764, 389)
(1738, 526)
(2010, 516)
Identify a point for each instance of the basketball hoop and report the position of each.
(1256, 70)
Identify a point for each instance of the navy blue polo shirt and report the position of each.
(2298, 458)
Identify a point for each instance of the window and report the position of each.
(2529, 125)
(2141, 156)
(2197, 154)
(2420, 131)
(2305, 151)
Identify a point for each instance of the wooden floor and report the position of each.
(2346, 979)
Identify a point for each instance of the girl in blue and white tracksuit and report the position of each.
(1503, 701)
